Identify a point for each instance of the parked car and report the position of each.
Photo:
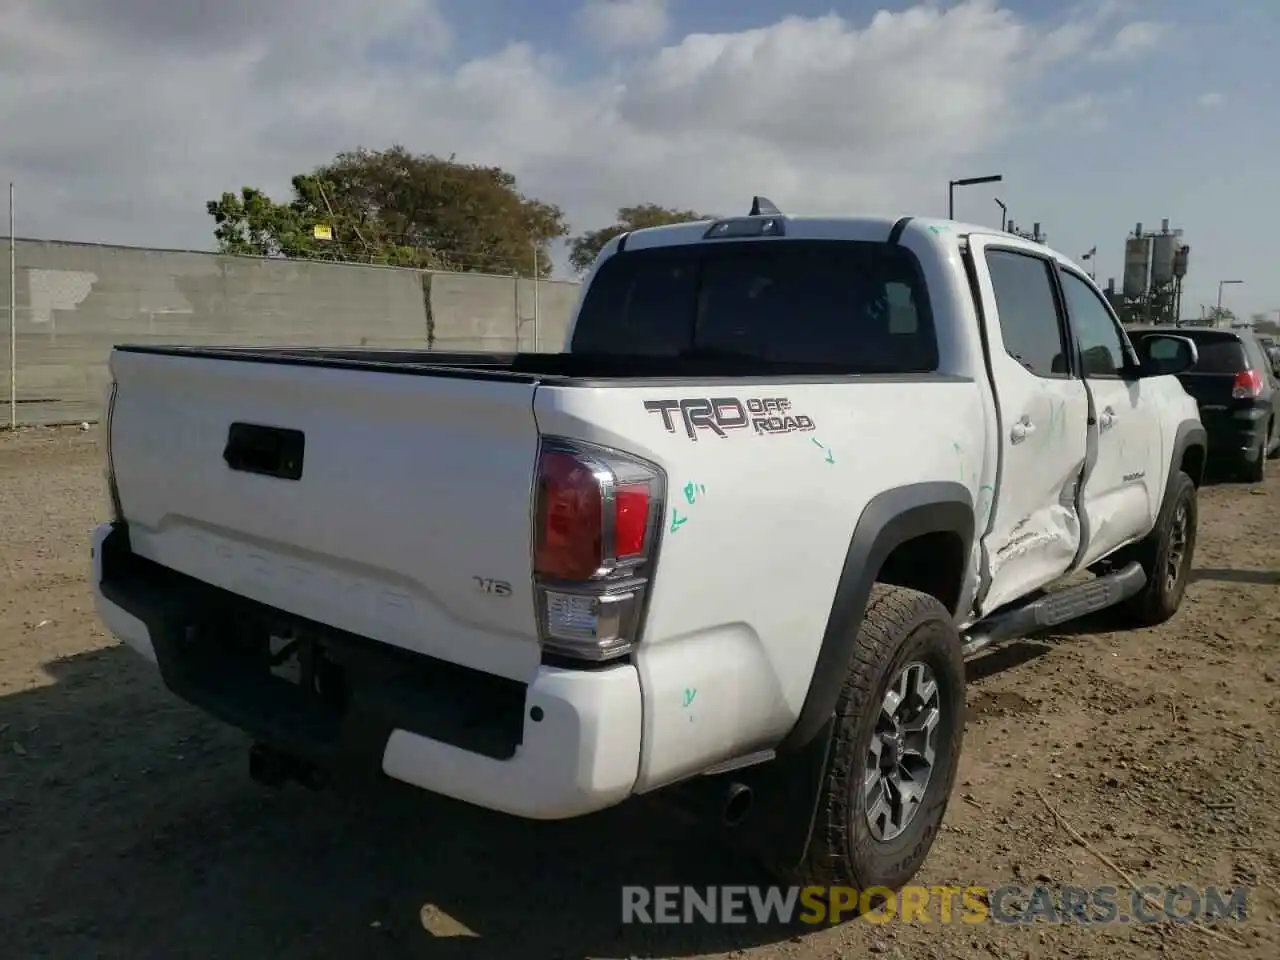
(1273, 352)
(734, 544)
(1237, 390)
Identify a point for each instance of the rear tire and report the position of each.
(1166, 557)
(1272, 447)
(907, 644)
(1254, 471)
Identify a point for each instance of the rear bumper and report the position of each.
(566, 744)
(1236, 434)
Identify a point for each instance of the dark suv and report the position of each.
(1236, 388)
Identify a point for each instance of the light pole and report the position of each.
(1004, 212)
(1221, 284)
(966, 182)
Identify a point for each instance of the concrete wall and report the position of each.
(75, 301)
(473, 312)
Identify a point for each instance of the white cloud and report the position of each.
(1084, 112)
(130, 122)
(624, 23)
(1133, 39)
(1211, 101)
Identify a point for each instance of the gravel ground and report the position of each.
(128, 827)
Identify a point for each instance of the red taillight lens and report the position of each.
(1248, 385)
(570, 518)
(594, 544)
(631, 520)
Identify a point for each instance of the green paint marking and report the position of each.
(689, 694)
(691, 490)
(677, 521)
(816, 442)
(830, 458)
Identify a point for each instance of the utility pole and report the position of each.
(13, 319)
(535, 299)
(1221, 284)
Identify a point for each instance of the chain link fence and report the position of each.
(75, 301)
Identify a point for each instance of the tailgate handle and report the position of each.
(269, 451)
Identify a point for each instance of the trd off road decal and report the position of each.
(722, 415)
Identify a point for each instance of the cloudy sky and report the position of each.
(119, 119)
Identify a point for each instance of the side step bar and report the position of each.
(1055, 608)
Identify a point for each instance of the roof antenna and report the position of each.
(763, 207)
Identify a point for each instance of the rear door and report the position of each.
(1034, 531)
(1122, 487)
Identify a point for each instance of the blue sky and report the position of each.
(1099, 114)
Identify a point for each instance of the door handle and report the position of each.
(269, 451)
(1022, 429)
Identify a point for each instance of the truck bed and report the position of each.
(296, 477)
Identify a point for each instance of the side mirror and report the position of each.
(1164, 354)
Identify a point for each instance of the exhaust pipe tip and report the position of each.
(737, 804)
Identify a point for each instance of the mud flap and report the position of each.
(785, 791)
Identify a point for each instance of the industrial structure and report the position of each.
(1155, 265)
(1034, 234)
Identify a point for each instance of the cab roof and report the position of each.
(779, 226)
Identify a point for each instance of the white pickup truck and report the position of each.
(734, 544)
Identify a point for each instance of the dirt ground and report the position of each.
(129, 828)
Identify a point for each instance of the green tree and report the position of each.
(584, 249)
(392, 206)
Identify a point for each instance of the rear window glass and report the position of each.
(861, 306)
(1218, 354)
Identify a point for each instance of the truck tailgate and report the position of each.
(413, 496)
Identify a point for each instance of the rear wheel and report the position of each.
(896, 746)
(1254, 471)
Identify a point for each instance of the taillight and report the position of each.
(597, 518)
(1248, 385)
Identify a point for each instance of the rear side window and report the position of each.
(1255, 353)
(1028, 311)
(860, 306)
